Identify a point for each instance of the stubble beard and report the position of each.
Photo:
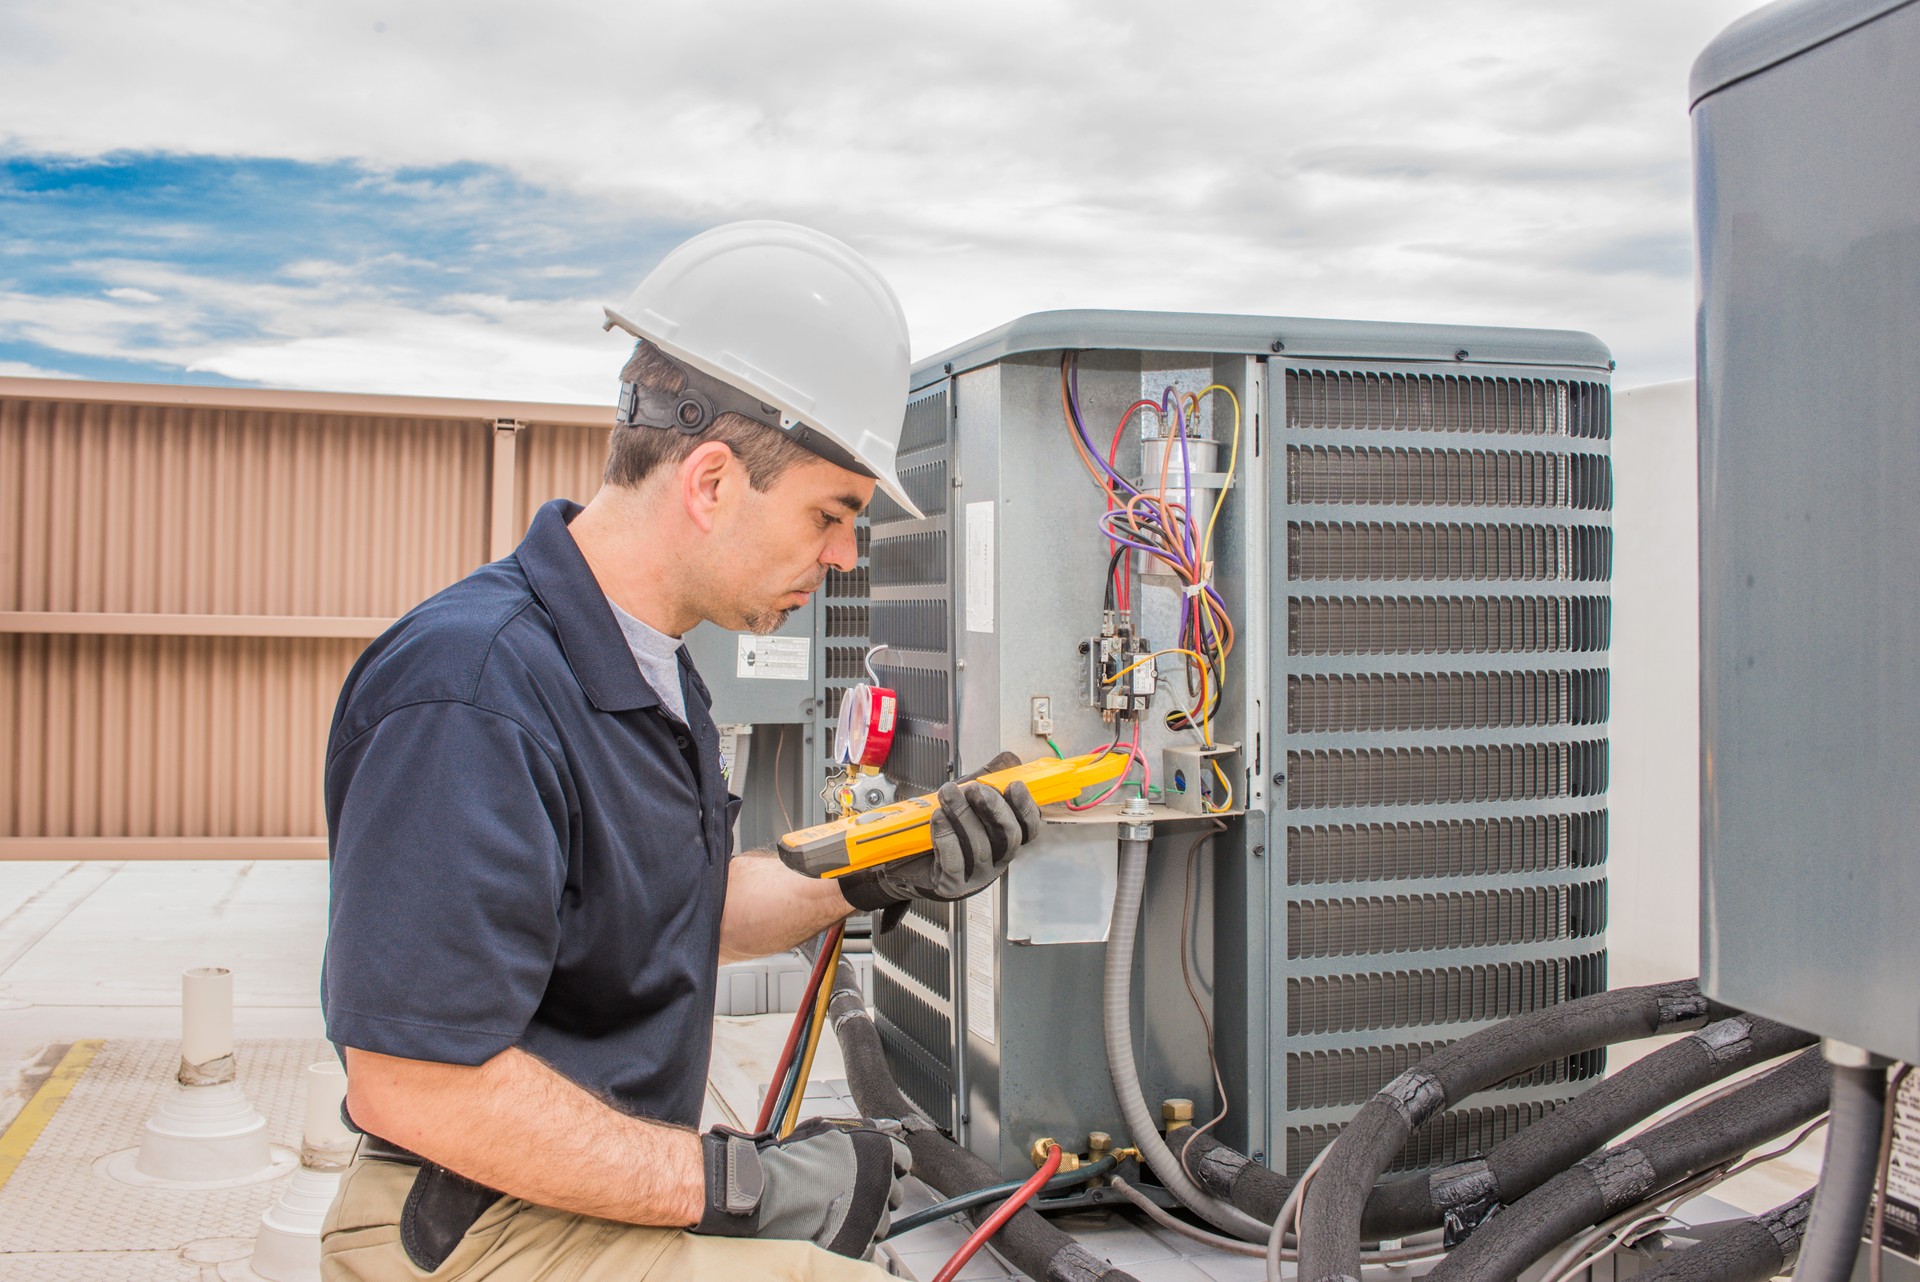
(764, 622)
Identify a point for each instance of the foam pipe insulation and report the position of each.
(1628, 1174)
(1750, 1250)
(1332, 1210)
(1525, 1161)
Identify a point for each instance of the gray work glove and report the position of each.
(976, 832)
(829, 1183)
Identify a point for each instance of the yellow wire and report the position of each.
(1233, 463)
(818, 1027)
(1221, 775)
(1149, 658)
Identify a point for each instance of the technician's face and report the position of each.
(788, 538)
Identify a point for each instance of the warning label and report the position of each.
(983, 1007)
(1903, 1172)
(773, 658)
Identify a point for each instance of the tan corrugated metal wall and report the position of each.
(187, 574)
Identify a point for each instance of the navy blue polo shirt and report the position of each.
(527, 850)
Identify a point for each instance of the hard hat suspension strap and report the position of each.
(703, 398)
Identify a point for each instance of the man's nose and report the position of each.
(843, 548)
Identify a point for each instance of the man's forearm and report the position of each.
(770, 908)
(515, 1125)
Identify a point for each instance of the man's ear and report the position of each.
(703, 474)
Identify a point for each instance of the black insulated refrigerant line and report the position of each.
(1332, 1210)
(1847, 1175)
(1628, 1174)
(1739, 1250)
(1033, 1246)
(1522, 1163)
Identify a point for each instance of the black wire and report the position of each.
(1113, 566)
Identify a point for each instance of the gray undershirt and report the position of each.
(659, 660)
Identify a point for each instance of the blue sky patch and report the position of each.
(203, 244)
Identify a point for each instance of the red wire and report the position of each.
(1124, 599)
(801, 1018)
(995, 1222)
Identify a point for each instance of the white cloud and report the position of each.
(1491, 161)
(20, 369)
(331, 332)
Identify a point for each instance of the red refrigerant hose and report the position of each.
(1004, 1212)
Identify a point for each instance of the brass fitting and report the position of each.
(1176, 1113)
(1099, 1145)
(1037, 1152)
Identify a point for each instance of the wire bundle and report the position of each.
(782, 1105)
(1150, 521)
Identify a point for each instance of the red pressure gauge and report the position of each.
(868, 715)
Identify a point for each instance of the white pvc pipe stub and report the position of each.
(325, 1142)
(287, 1247)
(205, 1133)
(206, 1026)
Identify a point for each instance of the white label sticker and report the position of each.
(1903, 1172)
(980, 566)
(773, 658)
(983, 1012)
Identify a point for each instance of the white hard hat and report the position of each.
(796, 320)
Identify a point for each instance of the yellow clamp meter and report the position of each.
(905, 828)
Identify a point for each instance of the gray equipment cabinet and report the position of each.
(1415, 553)
(1808, 191)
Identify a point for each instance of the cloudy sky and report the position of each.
(437, 197)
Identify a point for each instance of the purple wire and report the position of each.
(1079, 425)
(1186, 472)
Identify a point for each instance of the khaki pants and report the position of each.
(515, 1241)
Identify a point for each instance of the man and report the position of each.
(532, 876)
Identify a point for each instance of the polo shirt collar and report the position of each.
(590, 637)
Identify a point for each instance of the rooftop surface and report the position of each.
(95, 951)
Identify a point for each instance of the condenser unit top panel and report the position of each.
(1767, 37)
(1299, 337)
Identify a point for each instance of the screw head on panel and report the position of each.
(1276, 347)
(1280, 778)
(1460, 355)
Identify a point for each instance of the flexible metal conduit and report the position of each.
(1739, 1250)
(1028, 1241)
(1521, 1163)
(1116, 1000)
(1331, 1212)
(1847, 1175)
(1628, 1174)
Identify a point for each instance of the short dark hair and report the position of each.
(635, 453)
